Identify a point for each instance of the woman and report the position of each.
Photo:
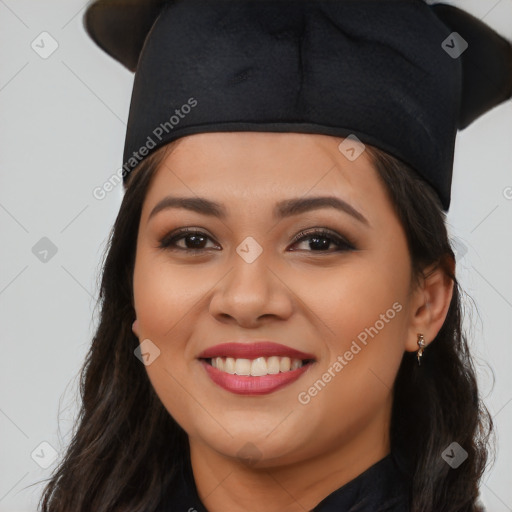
(281, 321)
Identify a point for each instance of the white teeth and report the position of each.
(273, 365)
(243, 366)
(259, 367)
(256, 367)
(284, 364)
(229, 365)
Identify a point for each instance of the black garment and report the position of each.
(381, 488)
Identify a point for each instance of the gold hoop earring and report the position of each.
(421, 343)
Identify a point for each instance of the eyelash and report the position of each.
(346, 244)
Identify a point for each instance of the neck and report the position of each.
(225, 484)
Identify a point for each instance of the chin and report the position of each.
(256, 448)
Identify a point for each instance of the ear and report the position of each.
(430, 303)
(135, 328)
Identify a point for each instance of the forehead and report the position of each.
(255, 168)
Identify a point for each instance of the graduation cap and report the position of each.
(402, 75)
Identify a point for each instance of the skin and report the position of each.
(313, 300)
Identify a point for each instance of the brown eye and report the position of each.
(194, 241)
(321, 239)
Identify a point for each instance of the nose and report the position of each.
(251, 294)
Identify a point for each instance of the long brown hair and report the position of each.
(126, 448)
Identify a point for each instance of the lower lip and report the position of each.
(249, 385)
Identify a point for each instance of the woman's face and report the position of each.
(342, 296)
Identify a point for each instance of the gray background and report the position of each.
(62, 134)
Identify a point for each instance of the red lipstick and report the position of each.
(248, 384)
(253, 350)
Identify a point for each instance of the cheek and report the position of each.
(163, 294)
(352, 300)
(364, 347)
(163, 298)
(363, 308)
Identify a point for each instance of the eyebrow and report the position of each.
(285, 208)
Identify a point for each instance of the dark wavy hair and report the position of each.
(126, 448)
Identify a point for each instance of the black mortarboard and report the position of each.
(401, 75)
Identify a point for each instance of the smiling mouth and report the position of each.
(257, 367)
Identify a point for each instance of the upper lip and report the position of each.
(253, 350)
